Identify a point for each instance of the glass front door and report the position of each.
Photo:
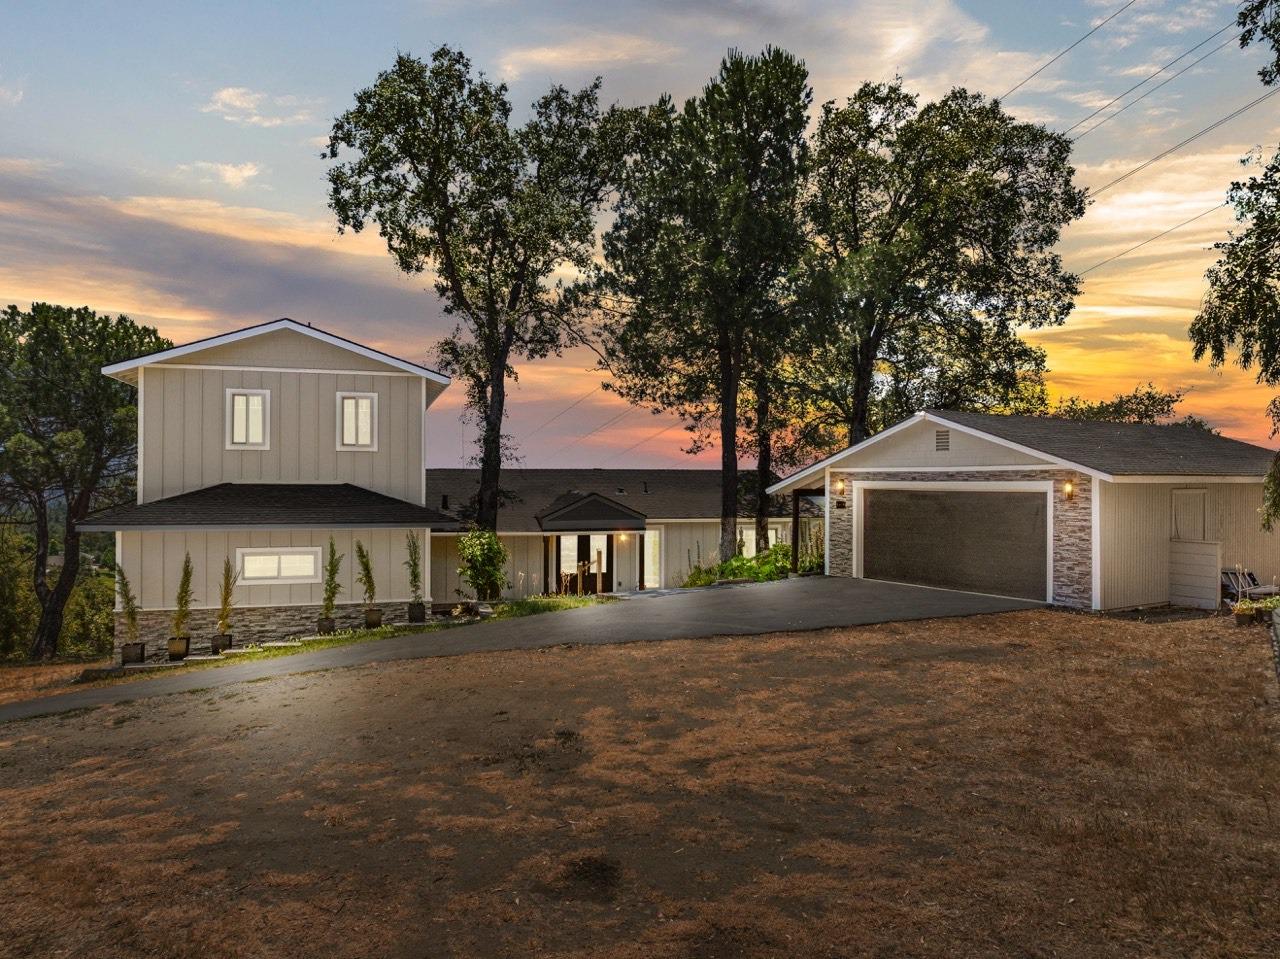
(584, 563)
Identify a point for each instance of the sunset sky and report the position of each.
(162, 160)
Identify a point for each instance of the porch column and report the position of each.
(795, 531)
(640, 561)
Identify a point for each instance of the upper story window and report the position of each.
(248, 419)
(357, 421)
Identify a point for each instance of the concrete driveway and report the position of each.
(797, 604)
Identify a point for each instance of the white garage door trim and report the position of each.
(856, 488)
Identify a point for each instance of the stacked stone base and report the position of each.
(249, 624)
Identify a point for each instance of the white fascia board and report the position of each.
(794, 480)
(119, 370)
(1184, 479)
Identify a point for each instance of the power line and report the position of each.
(1058, 56)
(651, 436)
(1152, 239)
(541, 427)
(1149, 78)
(586, 436)
(1178, 146)
(1167, 80)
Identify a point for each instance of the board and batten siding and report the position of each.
(184, 432)
(153, 563)
(1136, 526)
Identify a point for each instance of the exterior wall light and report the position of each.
(839, 487)
(1069, 490)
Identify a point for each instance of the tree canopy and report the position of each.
(69, 433)
(492, 209)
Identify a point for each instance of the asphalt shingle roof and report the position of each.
(654, 493)
(273, 505)
(1124, 448)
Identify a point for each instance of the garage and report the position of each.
(980, 541)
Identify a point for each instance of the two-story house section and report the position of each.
(258, 446)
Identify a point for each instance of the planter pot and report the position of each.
(220, 642)
(1262, 616)
(417, 612)
(372, 618)
(133, 653)
(325, 625)
(179, 648)
(1244, 619)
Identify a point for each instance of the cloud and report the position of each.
(252, 108)
(10, 95)
(589, 50)
(233, 175)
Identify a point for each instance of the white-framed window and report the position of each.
(278, 565)
(358, 421)
(248, 419)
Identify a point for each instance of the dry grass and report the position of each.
(1032, 784)
(40, 679)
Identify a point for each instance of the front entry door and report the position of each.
(578, 557)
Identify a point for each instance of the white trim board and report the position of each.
(283, 369)
(116, 369)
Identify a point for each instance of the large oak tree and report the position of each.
(933, 229)
(494, 209)
(68, 434)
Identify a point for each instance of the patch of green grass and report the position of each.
(543, 604)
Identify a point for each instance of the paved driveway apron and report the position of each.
(796, 604)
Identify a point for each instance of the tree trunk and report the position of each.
(764, 463)
(863, 371)
(728, 450)
(53, 602)
(491, 449)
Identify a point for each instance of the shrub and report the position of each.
(226, 590)
(182, 602)
(128, 606)
(364, 574)
(19, 610)
(484, 563)
(773, 563)
(413, 547)
(88, 628)
(332, 567)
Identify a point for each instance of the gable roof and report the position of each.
(126, 370)
(529, 494)
(271, 506)
(576, 510)
(1103, 449)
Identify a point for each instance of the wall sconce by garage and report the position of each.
(839, 487)
(1068, 491)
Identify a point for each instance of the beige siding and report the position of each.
(685, 545)
(914, 447)
(1233, 519)
(153, 563)
(1195, 574)
(185, 432)
(523, 571)
(284, 348)
(1135, 531)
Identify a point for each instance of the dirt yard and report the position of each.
(1032, 784)
(43, 679)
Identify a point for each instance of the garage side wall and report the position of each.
(1072, 522)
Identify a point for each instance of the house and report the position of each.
(1085, 514)
(612, 529)
(261, 445)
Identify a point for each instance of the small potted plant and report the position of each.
(131, 651)
(180, 641)
(230, 576)
(417, 608)
(332, 567)
(1244, 610)
(364, 576)
(1262, 611)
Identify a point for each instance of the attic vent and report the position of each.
(444, 500)
(621, 492)
(942, 440)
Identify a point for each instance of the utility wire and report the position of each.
(1178, 146)
(586, 436)
(1149, 78)
(1062, 53)
(651, 436)
(541, 427)
(1152, 239)
(1136, 101)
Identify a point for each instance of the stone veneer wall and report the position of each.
(1072, 525)
(249, 624)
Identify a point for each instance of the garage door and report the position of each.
(989, 542)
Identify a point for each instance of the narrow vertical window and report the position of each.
(357, 421)
(248, 419)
